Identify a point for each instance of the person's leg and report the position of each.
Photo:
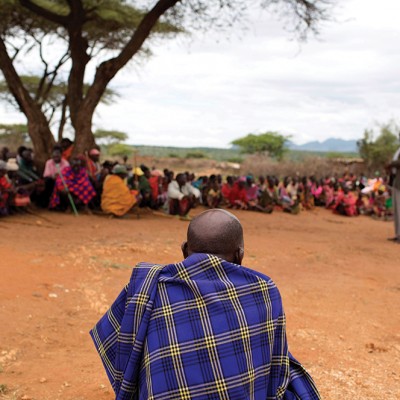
(184, 206)
(173, 205)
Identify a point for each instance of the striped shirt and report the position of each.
(200, 329)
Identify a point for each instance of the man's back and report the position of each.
(201, 329)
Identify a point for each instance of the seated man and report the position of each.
(181, 197)
(73, 181)
(28, 176)
(116, 198)
(204, 328)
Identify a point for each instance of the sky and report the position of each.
(209, 89)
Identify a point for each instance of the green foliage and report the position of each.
(109, 23)
(272, 143)
(195, 154)
(110, 137)
(237, 160)
(334, 154)
(14, 135)
(120, 149)
(378, 152)
(112, 142)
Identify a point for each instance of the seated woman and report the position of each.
(238, 195)
(117, 199)
(53, 167)
(345, 203)
(5, 189)
(72, 185)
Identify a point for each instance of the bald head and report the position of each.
(216, 232)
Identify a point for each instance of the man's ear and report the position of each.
(184, 248)
(239, 255)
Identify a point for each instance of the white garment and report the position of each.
(176, 192)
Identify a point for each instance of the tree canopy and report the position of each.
(377, 152)
(68, 39)
(272, 143)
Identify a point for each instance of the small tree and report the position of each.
(14, 135)
(113, 142)
(110, 137)
(272, 143)
(377, 153)
(120, 149)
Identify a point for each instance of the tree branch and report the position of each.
(39, 91)
(54, 73)
(43, 12)
(14, 82)
(108, 69)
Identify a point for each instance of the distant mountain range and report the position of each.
(328, 145)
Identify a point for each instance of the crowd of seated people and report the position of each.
(81, 183)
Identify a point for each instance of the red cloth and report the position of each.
(238, 194)
(348, 201)
(67, 153)
(153, 181)
(226, 190)
(78, 184)
(4, 186)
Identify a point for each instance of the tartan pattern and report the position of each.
(78, 184)
(200, 329)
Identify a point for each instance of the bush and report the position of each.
(317, 166)
(195, 154)
(237, 160)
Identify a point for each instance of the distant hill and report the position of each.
(329, 145)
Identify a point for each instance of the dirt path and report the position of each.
(339, 279)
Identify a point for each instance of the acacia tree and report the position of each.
(378, 151)
(108, 33)
(272, 143)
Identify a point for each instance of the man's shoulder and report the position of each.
(196, 263)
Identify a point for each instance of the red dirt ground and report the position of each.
(339, 279)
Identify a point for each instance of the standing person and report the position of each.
(203, 328)
(395, 183)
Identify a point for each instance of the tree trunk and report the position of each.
(84, 139)
(38, 126)
(42, 140)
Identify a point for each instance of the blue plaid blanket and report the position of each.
(200, 329)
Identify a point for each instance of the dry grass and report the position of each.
(318, 166)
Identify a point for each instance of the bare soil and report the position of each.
(339, 279)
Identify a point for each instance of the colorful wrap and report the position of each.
(200, 329)
(77, 183)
